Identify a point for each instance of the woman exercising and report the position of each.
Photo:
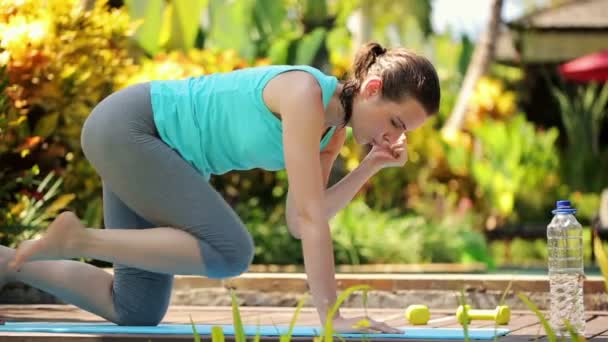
(156, 144)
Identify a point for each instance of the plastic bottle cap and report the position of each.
(563, 207)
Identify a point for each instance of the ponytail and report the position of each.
(365, 58)
(403, 74)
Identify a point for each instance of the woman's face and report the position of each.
(378, 121)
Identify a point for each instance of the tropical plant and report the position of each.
(59, 59)
(35, 206)
(583, 110)
(513, 157)
(166, 25)
(286, 32)
(362, 235)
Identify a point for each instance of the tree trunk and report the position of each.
(482, 56)
(363, 25)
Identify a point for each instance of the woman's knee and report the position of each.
(139, 318)
(150, 313)
(140, 297)
(229, 259)
(239, 263)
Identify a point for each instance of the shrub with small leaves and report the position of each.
(58, 60)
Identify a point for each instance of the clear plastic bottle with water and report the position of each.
(566, 271)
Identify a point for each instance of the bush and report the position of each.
(362, 236)
(59, 61)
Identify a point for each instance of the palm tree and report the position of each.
(482, 56)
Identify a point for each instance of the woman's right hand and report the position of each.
(355, 325)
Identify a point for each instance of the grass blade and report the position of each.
(602, 258)
(465, 320)
(258, 333)
(550, 333)
(197, 337)
(327, 335)
(502, 302)
(573, 334)
(217, 334)
(292, 324)
(239, 331)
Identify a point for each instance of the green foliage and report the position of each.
(587, 203)
(294, 319)
(583, 111)
(32, 208)
(254, 29)
(197, 337)
(217, 334)
(521, 252)
(59, 60)
(166, 25)
(179, 65)
(464, 321)
(513, 158)
(362, 235)
(602, 258)
(239, 331)
(231, 26)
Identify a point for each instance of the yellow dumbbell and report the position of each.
(501, 315)
(417, 314)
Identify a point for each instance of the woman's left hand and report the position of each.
(382, 156)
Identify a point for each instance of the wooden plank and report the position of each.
(516, 338)
(516, 324)
(596, 326)
(527, 325)
(530, 325)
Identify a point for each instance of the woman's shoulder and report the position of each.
(281, 68)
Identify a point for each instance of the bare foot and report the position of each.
(6, 254)
(58, 242)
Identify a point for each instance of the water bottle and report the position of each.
(566, 272)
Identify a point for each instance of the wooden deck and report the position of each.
(524, 326)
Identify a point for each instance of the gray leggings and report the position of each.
(147, 184)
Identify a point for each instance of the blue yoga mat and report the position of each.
(250, 330)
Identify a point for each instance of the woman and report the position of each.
(156, 144)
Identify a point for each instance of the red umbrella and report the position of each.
(593, 67)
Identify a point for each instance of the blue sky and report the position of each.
(470, 16)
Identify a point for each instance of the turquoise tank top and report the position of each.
(219, 122)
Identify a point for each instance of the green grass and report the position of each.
(465, 317)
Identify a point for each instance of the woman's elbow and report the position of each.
(294, 231)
